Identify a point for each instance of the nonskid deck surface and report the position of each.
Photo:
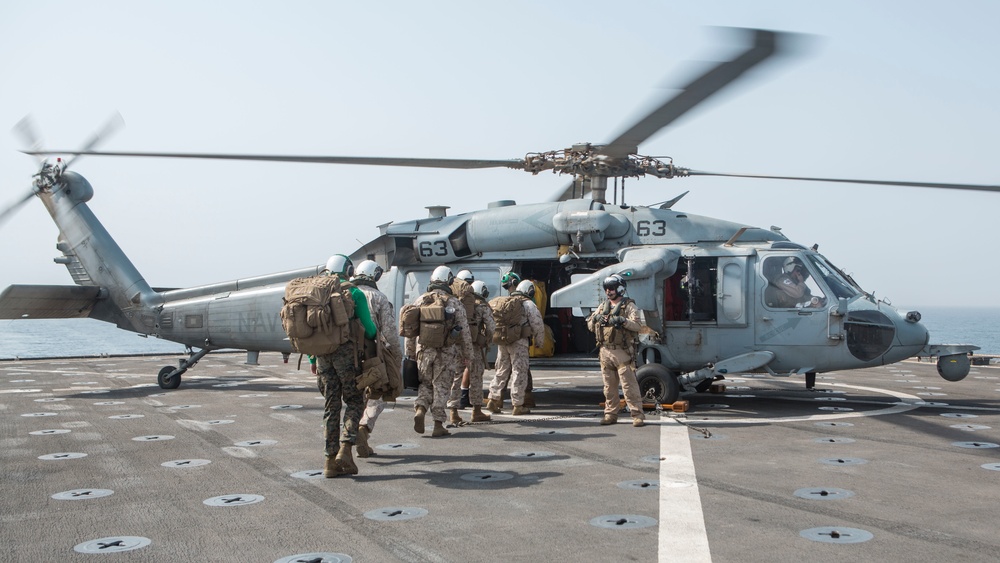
(892, 463)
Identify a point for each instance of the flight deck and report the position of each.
(889, 463)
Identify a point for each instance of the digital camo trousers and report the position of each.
(437, 367)
(336, 379)
(512, 364)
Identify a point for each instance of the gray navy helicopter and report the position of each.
(717, 297)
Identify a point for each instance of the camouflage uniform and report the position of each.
(512, 359)
(477, 365)
(437, 366)
(618, 360)
(336, 378)
(385, 321)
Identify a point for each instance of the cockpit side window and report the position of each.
(790, 284)
(841, 288)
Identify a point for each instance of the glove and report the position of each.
(616, 320)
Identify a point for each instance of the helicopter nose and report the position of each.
(911, 336)
(884, 334)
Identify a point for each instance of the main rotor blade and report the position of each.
(363, 160)
(765, 44)
(9, 212)
(115, 122)
(974, 187)
(571, 191)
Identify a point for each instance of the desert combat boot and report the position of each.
(344, 462)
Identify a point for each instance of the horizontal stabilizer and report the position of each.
(48, 301)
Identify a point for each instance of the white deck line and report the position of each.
(682, 534)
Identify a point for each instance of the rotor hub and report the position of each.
(586, 160)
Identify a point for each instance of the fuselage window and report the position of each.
(690, 294)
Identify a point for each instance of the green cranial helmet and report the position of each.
(340, 264)
(509, 280)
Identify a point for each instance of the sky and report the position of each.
(890, 90)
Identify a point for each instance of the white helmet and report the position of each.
(480, 289)
(340, 264)
(527, 287)
(442, 274)
(466, 275)
(368, 269)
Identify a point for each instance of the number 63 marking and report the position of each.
(435, 248)
(656, 228)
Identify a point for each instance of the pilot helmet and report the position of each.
(615, 282)
(791, 263)
(526, 287)
(368, 269)
(480, 289)
(442, 274)
(465, 275)
(509, 280)
(340, 264)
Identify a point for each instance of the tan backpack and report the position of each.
(431, 322)
(478, 330)
(508, 312)
(463, 292)
(317, 314)
(436, 322)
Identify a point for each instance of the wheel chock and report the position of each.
(717, 388)
(676, 406)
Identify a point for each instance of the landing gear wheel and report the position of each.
(660, 380)
(166, 382)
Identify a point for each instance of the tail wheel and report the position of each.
(167, 382)
(658, 383)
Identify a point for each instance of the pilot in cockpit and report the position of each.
(791, 285)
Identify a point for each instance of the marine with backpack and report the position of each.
(437, 333)
(328, 318)
(517, 320)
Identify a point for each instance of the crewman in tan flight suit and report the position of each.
(616, 324)
(438, 359)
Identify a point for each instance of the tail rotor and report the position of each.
(49, 172)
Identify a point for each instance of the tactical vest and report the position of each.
(613, 336)
(508, 312)
(317, 314)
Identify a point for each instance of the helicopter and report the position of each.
(710, 290)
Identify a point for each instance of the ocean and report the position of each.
(86, 337)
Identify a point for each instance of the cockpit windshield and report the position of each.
(841, 287)
(804, 281)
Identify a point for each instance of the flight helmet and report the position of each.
(615, 282)
(466, 275)
(480, 289)
(509, 280)
(791, 264)
(340, 264)
(442, 274)
(368, 269)
(526, 287)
